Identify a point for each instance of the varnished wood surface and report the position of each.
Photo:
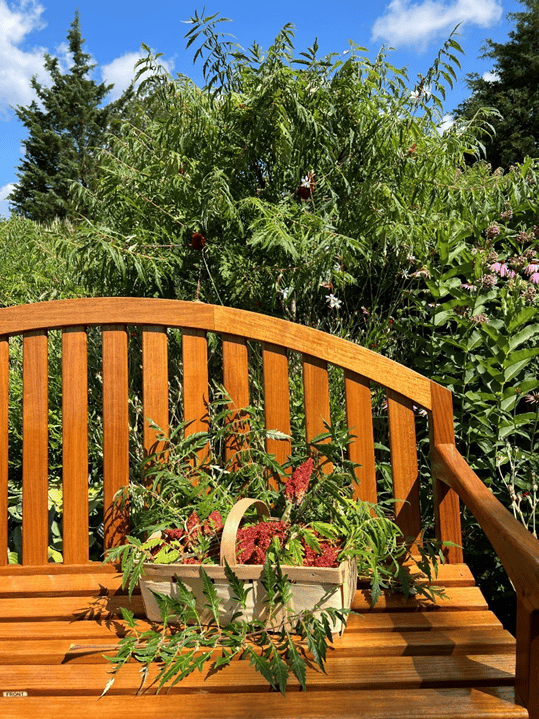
(195, 390)
(154, 386)
(175, 313)
(452, 661)
(404, 471)
(517, 548)
(115, 431)
(75, 445)
(276, 399)
(399, 645)
(236, 384)
(372, 704)
(446, 500)
(35, 468)
(359, 420)
(4, 445)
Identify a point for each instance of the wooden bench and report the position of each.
(452, 659)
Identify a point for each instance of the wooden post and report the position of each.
(527, 659)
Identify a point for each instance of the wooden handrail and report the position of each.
(517, 548)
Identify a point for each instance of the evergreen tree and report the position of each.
(65, 126)
(514, 92)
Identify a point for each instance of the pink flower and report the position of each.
(535, 278)
(531, 269)
(532, 398)
(296, 487)
(469, 287)
(500, 268)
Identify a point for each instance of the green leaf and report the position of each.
(210, 593)
(523, 317)
(261, 665)
(524, 335)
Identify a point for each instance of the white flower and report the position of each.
(333, 302)
(416, 95)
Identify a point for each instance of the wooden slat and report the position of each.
(69, 608)
(276, 400)
(154, 386)
(456, 599)
(94, 581)
(421, 621)
(373, 622)
(53, 568)
(351, 673)
(456, 642)
(38, 608)
(451, 642)
(4, 450)
(51, 585)
(359, 421)
(403, 445)
(316, 399)
(35, 448)
(373, 704)
(236, 383)
(195, 384)
(81, 632)
(115, 430)
(446, 500)
(75, 445)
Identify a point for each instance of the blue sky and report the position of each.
(115, 29)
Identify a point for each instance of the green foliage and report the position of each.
(513, 91)
(32, 271)
(323, 510)
(295, 184)
(65, 128)
(275, 647)
(178, 489)
(473, 319)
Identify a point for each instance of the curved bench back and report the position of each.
(117, 319)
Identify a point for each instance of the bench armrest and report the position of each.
(517, 548)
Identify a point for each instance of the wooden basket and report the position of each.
(330, 587)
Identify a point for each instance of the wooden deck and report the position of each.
(403, 659)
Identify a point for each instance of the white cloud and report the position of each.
(447, 122)
(5, 190)
(490, 76)
(405, 23)
(121, 72)
(16, 65)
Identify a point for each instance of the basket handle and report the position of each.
(230, 529)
